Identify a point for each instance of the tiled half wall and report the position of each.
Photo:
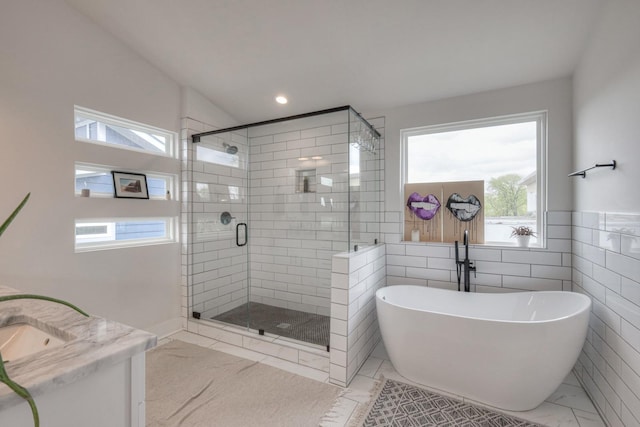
(355, 278)
(499, 268)
(606, 266)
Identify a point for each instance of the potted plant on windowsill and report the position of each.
(4, 377)
(523, 234)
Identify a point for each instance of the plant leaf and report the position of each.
(41, 297)
(6, 223)
(20, 391)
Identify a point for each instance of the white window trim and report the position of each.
(171, 137)
(170, 223)
(540, 117)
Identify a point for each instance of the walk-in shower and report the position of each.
(270, 203)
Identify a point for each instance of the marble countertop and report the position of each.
(92, 344)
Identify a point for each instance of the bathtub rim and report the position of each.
(585, 306)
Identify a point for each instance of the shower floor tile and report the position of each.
(308, 327)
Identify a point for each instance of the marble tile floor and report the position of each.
(568, 406)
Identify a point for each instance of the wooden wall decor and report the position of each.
(441, 211)
(423, 211)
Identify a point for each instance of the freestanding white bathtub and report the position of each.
(509, 350)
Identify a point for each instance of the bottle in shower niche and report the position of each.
(305, 185)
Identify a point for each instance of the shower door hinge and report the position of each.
(196, 315)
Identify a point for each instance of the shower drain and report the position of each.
(283, 325)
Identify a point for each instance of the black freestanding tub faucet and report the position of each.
(465, 264)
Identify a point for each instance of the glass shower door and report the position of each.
(219, 209)
(298, 203)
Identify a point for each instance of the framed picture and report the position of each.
(130, 185)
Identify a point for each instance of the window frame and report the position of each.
(89, 246)
(539, 117)
(170, 137)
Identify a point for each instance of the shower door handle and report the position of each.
(241, 224)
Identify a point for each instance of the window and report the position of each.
(90, 232)
(218, 157)
(507, 153)
(112, 233)
(98, 179)
(99, 128)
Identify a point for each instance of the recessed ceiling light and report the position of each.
(281, 99)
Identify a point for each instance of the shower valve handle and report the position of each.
(225, 218)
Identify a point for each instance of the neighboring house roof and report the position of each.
(529, 179)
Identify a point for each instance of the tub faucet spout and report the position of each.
(465, 264)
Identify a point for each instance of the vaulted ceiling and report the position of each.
(372, 54)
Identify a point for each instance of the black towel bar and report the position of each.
(583, 172)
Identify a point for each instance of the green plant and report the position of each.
(4, 377)
(14, 214)
(522, 230)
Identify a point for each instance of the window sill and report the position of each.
(136, 244)
(489, 245)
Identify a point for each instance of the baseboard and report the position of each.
(166, 328)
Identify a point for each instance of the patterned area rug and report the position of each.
(400, 404)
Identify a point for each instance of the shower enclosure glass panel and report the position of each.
(299, 218)
(219, 274)
(308, 188)
(365, 186)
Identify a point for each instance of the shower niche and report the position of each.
(301, 189)
(306, 181)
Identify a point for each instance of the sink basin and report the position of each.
(21, 339)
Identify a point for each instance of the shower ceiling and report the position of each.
(373, 54)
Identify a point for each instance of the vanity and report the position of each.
(81, 371)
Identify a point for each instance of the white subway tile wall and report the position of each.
(354, 327)
(606, 266)
(296, 227)
(293, 233)
(499, 269)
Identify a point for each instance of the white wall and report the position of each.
(53, 58)
(606, 111)
(606, 224)
(498, 268)
(553, 96)
(198, 108)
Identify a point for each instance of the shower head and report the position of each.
(230, 149)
